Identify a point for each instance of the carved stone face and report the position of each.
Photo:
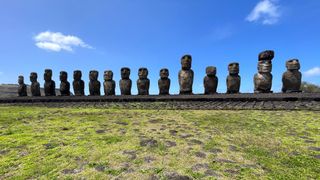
(186, 61)
(266, 55)
(93, 75)
(125, 73)
(164, 73)
(21, 80)
(233, 68)
(293, 64)
(265, 68)
(108, 75)
(143, 73)
(211, 71)
(33, 77)
(47, 75)
(77, 75)
(63, 76)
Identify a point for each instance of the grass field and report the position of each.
(96, 143)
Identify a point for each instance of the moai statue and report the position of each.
(186, 75)
(164, 82)
(210, 82)
(94, 84)
(109, 84)
(35, 85)
(143, 83)
(78, 83)
(125, 82)
(233, 79)
(263, 79)
(22, 89)
(291, 79)
(64, 85)
(49, 84)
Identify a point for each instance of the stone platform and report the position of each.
(275, 101)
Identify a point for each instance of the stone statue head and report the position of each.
(33, 77)
(267, 55)
(186, 61)
(47, 74)
(77, 74)
(63, 76)
(164, 73)
(211, 71)
(265, 67)
(21, 80)
(125, 73)
(108, 75)
(293, 64)
(233, 68)
(93, 75)
(143, 73)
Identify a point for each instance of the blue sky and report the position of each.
(110, 34)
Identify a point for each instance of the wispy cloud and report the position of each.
(266, 11)
(56, 41)
(313, 72)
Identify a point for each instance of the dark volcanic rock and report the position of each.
(143, 83)
(176, 176)
(149, 142)
(210, 82)
(78, 83)
(22, 89)
(94, 84)
(291, 79)
(35, 85)
(125, 82)
(109, 84)
(49, 84)
(64, 85)
(200, 154)
(186, 75)
(233, 79)
(164, 82)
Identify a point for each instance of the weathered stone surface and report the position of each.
(35, 85)
(210, 82)
(125, 82)
(291, 79)
(49, 84)
(263, 79)
(143, 83)
(186, 75)
(164, 82)
(22, 89)
(78, 83)
(94, 84)
(64, 85)
(109, 84)
(233, 79)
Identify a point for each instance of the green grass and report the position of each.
(97, 143)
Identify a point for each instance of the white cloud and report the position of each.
(56, 41)
(267, 11)
(313, 72)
